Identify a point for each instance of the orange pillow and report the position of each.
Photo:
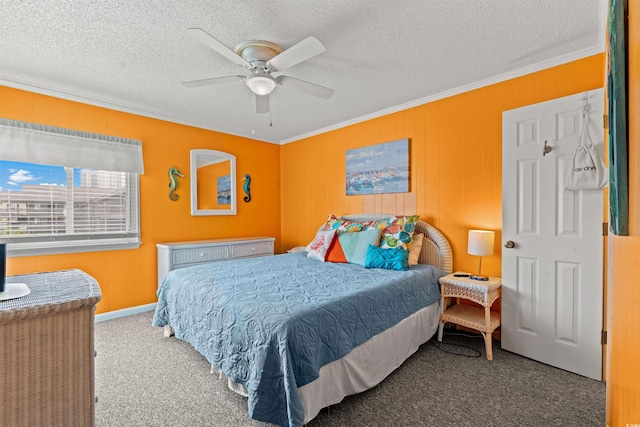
(335, 252)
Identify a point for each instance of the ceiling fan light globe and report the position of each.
(260, 85)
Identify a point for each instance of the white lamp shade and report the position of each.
(260, 85)
(481, 242)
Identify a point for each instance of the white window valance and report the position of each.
(49, 145)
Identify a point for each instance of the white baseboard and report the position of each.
(125, 312)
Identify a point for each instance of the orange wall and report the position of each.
(455, 161)
(455, 157)
(623, 386)
(129, 278)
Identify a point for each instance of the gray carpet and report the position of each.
(145, 379)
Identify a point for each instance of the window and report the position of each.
(75, 194)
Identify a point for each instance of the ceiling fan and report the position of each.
(262, 58)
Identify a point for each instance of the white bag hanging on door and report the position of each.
(588, 171)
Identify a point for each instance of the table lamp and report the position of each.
(481, 244)
(9, 290)
(3, 266)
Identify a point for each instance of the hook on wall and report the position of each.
(586, 105)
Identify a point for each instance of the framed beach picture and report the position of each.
(378, 169)
(224, 190)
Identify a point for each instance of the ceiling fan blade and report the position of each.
(307, 48)
(262, 104)
(204, 37)
(306, 87)
(212, 81)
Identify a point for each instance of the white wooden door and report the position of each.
(552, 277)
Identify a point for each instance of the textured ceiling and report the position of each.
(381, 55)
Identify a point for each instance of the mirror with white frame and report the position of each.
(213, 183)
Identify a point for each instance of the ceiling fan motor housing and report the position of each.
(257, 50)
(257, 53)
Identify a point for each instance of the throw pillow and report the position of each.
(416, 247)
(391, 259)
(319, 246)
(335, 252)
(398, 232)
(352, 247)
(335, 223)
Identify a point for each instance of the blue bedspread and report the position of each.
(271, 323)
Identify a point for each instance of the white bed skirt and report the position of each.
(366, 365)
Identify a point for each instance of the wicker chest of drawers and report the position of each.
(47, 351)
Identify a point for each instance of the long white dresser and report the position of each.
(184, 254)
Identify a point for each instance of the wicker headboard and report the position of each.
(435, 247)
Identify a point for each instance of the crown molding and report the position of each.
(117, 107)
(421, 101)
(456, 91)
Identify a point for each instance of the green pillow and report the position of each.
(391, 259)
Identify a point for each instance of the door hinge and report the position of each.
(605, 121)
(603, 337)
(605, 228)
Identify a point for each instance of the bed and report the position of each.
(296, 335)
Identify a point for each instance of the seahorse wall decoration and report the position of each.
(247, 187)
(173, 182)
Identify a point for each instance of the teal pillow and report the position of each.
(391, 259)
(354, 245)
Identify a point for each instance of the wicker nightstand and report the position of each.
(480, 319)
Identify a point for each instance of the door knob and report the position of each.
(509, 244)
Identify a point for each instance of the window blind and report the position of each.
(49, 145)
(55, 200)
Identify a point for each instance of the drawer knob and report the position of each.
(202, 254)
(253, 249)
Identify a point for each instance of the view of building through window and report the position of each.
(53, 200)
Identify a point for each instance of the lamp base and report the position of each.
(14, 290)
(483, 278)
